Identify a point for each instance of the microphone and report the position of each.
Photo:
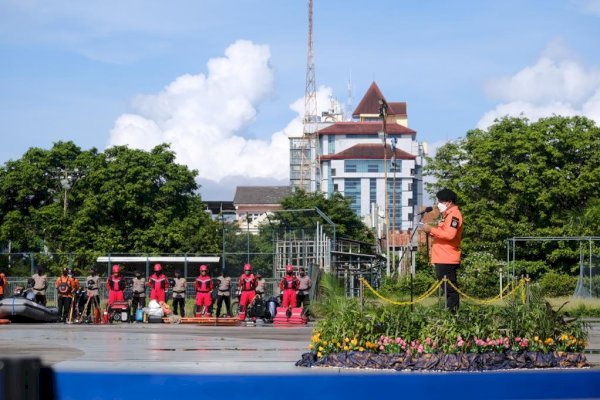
(426, 210)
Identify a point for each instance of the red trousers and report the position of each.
(289, 298)
(115, 295)
(246, 299)
(158, 295)
(203, 299)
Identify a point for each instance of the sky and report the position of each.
(223, 82)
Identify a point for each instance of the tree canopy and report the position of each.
(522, 178)
(336, 207)
(120, 200)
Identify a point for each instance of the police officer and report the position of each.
(445, 248)
(261, 284)
(224, 293)
(179, 286)
(139, 291)
(93, 287)
(304, 285)
(40, 284)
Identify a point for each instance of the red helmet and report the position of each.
(157, 267)
(203, 268)
(247, 267)
(289, 268)
(115, 269)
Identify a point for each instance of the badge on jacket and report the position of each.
(454, 222)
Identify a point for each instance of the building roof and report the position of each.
(369, 104)
(261, 194)
(368, 152)
(365, 128)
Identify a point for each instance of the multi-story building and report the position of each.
(354, 160)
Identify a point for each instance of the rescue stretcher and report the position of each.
(210, 321)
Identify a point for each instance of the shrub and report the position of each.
(479, 275)
(535, 269)
(400, 288)
(554, 284)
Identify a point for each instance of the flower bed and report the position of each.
(515, 334)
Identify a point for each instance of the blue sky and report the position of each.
(100, 73)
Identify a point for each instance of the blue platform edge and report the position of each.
(551, 384)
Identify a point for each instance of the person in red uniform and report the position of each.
(115, 285)
(445, 248)
(204, 287)
(159, 283)
(288, 285)
(247, 285)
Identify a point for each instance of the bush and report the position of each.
(535, 269)
(479, 275)
(396, 288)
(554, 284)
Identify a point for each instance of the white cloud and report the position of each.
(202, 115)
(556, 84)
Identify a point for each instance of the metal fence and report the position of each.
(271, 288)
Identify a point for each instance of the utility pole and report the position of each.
(383, 107)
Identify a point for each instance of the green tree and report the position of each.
(522, 178)
(336, 207)
(125, 200)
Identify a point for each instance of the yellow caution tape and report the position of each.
(433, 288)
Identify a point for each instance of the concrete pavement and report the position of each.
(168, 348)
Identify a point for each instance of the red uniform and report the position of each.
(204, 286)
(115, 285)
(247, 284)
(158, 284)
(289, 284)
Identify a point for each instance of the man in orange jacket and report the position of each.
(3, 284)
(445, 248)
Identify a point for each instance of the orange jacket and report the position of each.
(445, 248)
(69, 281)
(3, 282)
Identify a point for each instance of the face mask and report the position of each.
(301, 273)
(442, 207)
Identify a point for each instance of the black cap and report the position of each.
(446, 195)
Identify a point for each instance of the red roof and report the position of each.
(368, 152)
(365, 128)
(370, 103)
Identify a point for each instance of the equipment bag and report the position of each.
(64, 287)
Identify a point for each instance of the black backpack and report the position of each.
(258, 309)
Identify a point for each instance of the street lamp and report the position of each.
(383, 108)
(67, 180)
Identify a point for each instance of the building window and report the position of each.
(372, 190)
(410, 202)
(335, 187)
(373, 168)
(410, 185)
(331, 144)
(350, 166)
(352, 191)
(395, 207)
(332, 171)
(412, 171)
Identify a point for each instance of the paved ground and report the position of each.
(175, 348)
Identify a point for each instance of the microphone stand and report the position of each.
(409, 245)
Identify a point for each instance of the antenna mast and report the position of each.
(310, 164)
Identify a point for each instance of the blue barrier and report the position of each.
(555, 384)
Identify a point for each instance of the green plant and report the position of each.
(479, 275)
(554, 284)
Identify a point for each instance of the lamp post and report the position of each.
(383, 107)
(67, 180)
(248, 219)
